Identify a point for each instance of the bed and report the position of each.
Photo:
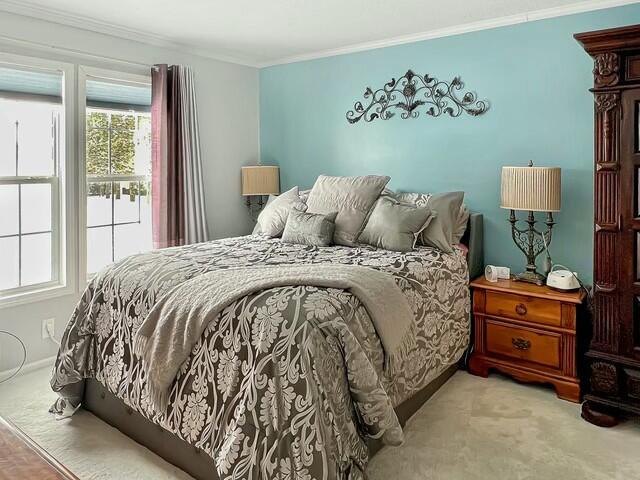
(312, 399)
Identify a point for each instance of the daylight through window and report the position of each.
(31, 113)
(118, 167)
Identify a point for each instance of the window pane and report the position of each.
(98, 248)
(142, 140)
(8, 263)
(127, 147)
(99, 203)
(8, 209)
(122, 152)
(126, 202)
(31, 140)
(36, 207)
(36, 258)
(97, 119)
(123, 121)
(35, 138)
(131, 238)
(97, 152)
(7, 140)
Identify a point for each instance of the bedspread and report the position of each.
(284, 383)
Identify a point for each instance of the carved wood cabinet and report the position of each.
(613, 357)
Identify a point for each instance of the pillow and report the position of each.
(395, 226)
(445, 206)
(460, 226)
(304, 195)
(273, 217)
(351, 197)
(309, 228)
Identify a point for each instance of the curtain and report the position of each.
(178, 208)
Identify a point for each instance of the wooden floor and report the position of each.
(21, 458)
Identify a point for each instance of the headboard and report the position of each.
(474, 240)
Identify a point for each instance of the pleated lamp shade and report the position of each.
(260, 180)
(535, 189)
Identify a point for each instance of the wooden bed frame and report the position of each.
(196, 462)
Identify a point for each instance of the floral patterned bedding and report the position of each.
(286, 383)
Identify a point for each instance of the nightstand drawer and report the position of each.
(532, 346)
(520, 307)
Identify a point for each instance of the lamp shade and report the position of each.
(536, 189)
(260, 180)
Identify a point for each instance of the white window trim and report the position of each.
(85, 73)
(63, 221)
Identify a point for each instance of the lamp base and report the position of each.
(530, 277)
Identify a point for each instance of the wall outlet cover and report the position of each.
(48, 328)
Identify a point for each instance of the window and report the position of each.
(31, 116)
(118, 171)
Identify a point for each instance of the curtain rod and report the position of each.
(39, 45)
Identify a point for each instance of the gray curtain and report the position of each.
(195, 219)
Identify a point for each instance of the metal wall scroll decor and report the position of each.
(412, 91)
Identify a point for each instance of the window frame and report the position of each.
(92, 73)
(63, 192)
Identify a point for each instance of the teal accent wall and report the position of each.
(537, 78)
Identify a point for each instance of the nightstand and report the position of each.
(528, 332)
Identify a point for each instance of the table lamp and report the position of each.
(260, 181)
(532, 189)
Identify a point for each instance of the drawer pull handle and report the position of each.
(521, 309)
(521, 343)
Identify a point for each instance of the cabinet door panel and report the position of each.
(629, 332)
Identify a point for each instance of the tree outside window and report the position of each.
(118, 168)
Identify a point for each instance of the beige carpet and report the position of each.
(473, 428)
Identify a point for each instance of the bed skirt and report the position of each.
(192, 460)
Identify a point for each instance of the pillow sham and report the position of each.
(309, 228)
(273, 217)
(461, 224)
(445, 206)
(351, 197)
(395, 226)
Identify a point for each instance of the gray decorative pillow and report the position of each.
(273, 217)
(309, 228)
(460, 226)
(351, 197)
(304, 195)
(395, 226)
(446, 207)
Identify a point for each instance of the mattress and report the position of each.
(301, 401)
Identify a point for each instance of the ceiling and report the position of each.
(265, 32)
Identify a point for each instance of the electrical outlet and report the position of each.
(48, 328)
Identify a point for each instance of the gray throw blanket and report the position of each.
(177, 321)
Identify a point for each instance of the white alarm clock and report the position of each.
(493, 273)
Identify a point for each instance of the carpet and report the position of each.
(472, 428)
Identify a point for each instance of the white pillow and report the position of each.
(273, 217)
(351, 197)
(304, 195)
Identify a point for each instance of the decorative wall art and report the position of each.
(412, 91)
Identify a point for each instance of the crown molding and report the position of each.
(57, 16)
(534, 15)
(85, 23)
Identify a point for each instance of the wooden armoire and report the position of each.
(612, 364)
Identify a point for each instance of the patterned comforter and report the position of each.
(286, 383)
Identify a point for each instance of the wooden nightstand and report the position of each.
(528, 332)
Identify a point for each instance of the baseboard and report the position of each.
(28, 367)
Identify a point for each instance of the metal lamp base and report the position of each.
(532, 242)
(530, 277)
